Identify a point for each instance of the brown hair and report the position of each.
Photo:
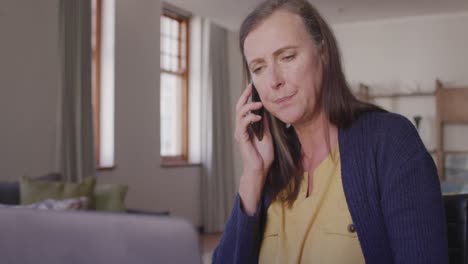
(337, 102)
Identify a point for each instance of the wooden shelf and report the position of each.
(398, 95)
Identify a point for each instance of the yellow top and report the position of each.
(317, 228)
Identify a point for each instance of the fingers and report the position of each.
(249, 119)
(242, 133)
(247, 108)
(244, 115)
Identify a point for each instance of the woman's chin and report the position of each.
(289, 117)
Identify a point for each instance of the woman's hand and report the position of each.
(257, 156)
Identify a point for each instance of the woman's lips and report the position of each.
(285, 99)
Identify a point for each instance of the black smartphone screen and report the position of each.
(257, 127)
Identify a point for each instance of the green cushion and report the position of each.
(110, 197)
(33, 191)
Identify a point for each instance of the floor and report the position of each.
(208, 243)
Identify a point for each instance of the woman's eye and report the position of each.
(257, 70)
(289, 57)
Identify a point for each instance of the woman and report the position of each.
(333, 180)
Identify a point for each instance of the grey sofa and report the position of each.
(57, 237)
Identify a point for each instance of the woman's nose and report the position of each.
(275, 78)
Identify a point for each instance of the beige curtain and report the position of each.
(218, 188)
(76, 143)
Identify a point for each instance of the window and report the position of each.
(102, 45)
(174, 86)
(96, 7)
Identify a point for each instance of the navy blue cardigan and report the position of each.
(392, 190)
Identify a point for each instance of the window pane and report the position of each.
(172, 88)
(174, 63)
(107, 85)
(174, 28)
(174, 47)
(165, 25)
(165, 44)
(171, 107)
(165, 62)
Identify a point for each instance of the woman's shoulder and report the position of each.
(390, 131)
(381, 129)
(383, 122)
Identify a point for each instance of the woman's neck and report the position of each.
(317, 136)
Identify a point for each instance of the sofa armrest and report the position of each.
(9, 193)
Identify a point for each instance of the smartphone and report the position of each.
(257, 128)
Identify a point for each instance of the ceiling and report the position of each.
(229, 13)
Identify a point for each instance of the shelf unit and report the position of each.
(364, 94)
(451, 108)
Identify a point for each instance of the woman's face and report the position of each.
(285, 65)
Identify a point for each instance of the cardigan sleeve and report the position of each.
(240, 240)
(411, 201)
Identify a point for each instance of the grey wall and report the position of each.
(137, 118)
(29, 80)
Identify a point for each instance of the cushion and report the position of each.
(32, 191)
(110, 197)
(80, 203)
(53, 176)
(10, 191)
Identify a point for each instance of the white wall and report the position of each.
(407, 54)
(29, 80)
